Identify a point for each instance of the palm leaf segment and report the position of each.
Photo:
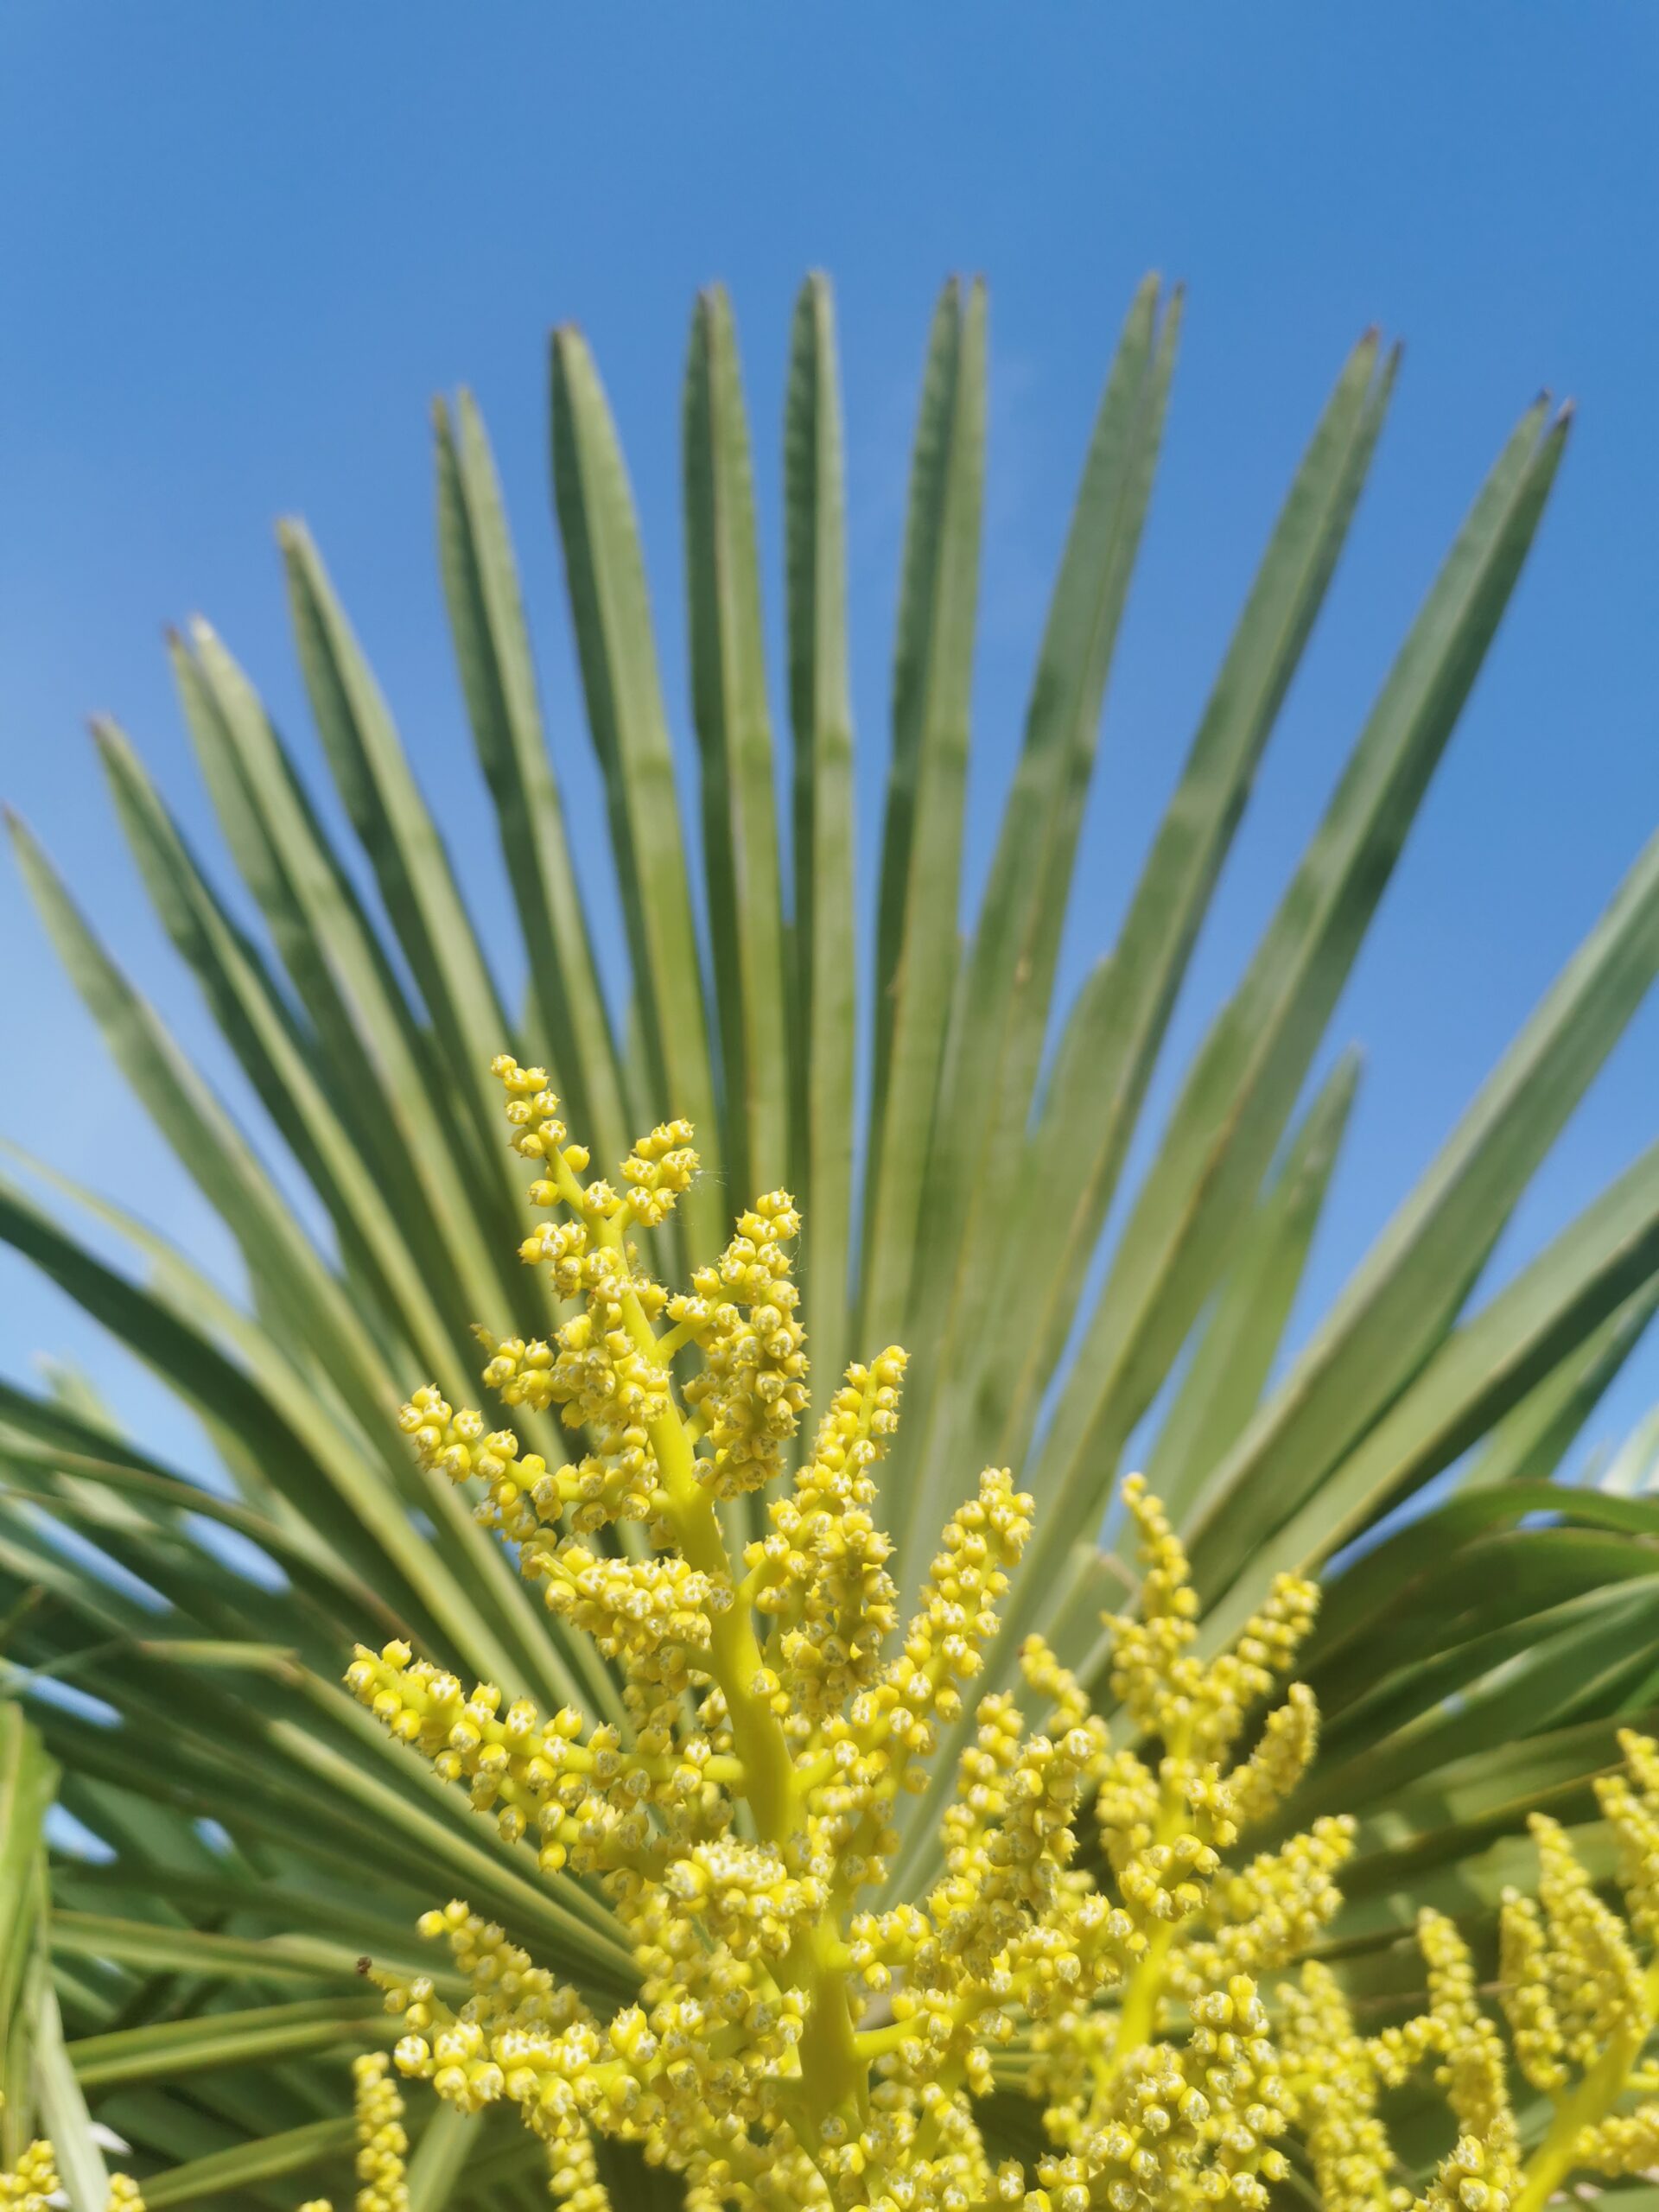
(182, 1646)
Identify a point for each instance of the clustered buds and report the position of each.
(819, 1576)
(33, 2183)
(751, 1391)
(799, 2038)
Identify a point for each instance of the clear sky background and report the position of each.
(240, 247)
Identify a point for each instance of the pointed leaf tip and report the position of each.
(816, 293)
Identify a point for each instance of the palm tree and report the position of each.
(244, 1829)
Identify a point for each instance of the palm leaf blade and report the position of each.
(1111, 1041)
(921, 851)
(821, 716)
(729, 693)
(994, 1046)
(486, 617)
(1230, 1364)
(604, 573)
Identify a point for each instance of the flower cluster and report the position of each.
(381, 2142)
(33, 2183)
(1101, 1936)
(34, 2186)
(1581, 2001)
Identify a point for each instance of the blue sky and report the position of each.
(243, 246)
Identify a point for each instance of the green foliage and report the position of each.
(1473, 1665)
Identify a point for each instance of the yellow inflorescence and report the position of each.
(1098, 1937)
(381, 2141)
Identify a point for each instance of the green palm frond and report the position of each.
(43, 2094)
(179, 1648)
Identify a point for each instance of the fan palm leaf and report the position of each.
(244, 1830)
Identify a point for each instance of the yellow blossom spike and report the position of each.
(1347, 2144)
(752, 1391)
(658, 1171)
(1595, 1986)
(1279, 1760)
(582, 1796)
(381, 2142)
(1523, 1988)
(655, 1616)
(1626, 2144)
(957, 1619)
(800, 2042)
(1152, 1674)
(532, 1109)
(442, 1438)
(820, 1575)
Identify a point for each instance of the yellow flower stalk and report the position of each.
(1102, 1937)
